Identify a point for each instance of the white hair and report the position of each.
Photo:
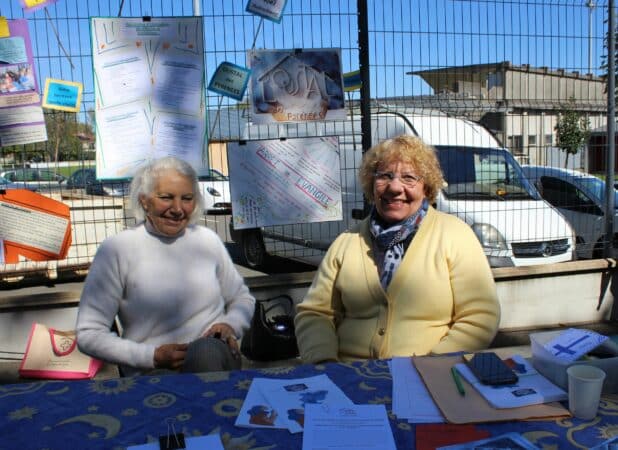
(145, 179)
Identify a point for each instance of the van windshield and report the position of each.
(483, 174)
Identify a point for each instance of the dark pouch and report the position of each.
(271, 335)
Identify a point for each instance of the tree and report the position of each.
(572, 130)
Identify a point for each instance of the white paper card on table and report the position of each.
(280, 403)
(354, 427)
(532, 388)
(256, 410)
(210, 442)
(289, 397)
(573, 343)
(411, 398)
(513, 441)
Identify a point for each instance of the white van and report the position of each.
(485, 188)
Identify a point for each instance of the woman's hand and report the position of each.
(170, 356)
(226, 333)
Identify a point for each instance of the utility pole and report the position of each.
(590, 6)
(611, 132)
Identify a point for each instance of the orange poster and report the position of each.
(33, 226)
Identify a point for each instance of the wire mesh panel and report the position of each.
(494, 85)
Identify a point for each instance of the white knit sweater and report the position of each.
(164, 290)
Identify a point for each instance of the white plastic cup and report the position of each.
(585, 386)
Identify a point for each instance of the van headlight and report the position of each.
(489, 236)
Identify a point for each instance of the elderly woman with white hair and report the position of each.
(181, 303)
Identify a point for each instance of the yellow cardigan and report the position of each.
(442, 298)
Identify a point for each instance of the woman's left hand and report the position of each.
(226, 333)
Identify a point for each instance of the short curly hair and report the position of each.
(144, 181)
(408, 150)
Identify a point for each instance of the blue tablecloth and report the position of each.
(116, 413)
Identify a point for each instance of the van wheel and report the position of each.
(253, 252)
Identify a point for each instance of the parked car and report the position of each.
(580, 197)
(6, 184)
(87, 179)
(34, 177)
(216, 191)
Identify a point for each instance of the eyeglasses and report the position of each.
(407, 179)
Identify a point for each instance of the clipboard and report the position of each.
(472, 408)
(33, 226)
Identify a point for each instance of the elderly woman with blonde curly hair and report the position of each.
(409, 280)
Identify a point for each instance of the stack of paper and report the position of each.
(472, 407)
(411, 398)
(532, 388)
(358, 427)
(280, 403)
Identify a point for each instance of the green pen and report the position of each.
(458, 382)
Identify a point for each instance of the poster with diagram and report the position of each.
(149, 89)
(300, 85)
(277, 182)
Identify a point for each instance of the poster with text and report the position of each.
(21, 114)
(149, 88)
(300, 85)
(33, 5)
(276, 182)
(268, 9)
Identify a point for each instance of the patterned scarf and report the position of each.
(388, 242)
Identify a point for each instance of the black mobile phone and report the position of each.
(490, 369)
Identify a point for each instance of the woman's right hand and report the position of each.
(170, 356)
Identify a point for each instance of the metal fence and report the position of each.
(516, 67)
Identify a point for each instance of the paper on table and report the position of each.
(280, 403)
(411, 398)
(211, 442)
(532, 388)
(290, 397)
(573, 343)
(256, 411)
(511, 440)
(436, 373)
(357, 427)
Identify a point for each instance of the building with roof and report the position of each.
(519, 104)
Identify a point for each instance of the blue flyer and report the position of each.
(230, 80)
(268, 9)
(62, 95)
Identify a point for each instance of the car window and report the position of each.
(45, 175)
(26, 175)
(563, 194)
(213, 175)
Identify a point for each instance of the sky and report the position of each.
(404, 35)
